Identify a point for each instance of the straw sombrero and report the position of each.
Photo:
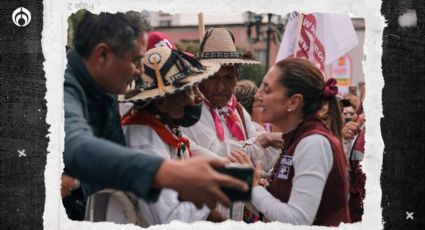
(218, 45)
(167, 71)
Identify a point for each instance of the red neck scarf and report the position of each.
(143, 117)
(232, 120)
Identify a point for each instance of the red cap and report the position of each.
(159, 39)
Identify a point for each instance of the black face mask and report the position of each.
(192, 114)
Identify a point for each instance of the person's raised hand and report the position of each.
(273, 139)
(359, 119)
(350, 129)
(238, 156)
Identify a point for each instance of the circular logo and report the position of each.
(154, 58)
(21, 17)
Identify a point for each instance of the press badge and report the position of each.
(285, 167)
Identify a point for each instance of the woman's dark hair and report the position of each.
(299, 76)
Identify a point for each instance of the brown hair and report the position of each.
(299, 76)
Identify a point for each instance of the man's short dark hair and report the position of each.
(118, 30)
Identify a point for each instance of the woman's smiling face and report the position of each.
(272, 98)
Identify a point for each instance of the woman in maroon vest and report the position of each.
(309, 183)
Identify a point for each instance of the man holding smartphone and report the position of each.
(106, 58)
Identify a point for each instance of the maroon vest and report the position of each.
(333, 208)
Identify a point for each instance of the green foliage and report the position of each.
(254, 73)
(190, 47)
(73, 22)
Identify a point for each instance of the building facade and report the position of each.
(183, 30)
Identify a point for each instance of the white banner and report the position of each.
(336, 33)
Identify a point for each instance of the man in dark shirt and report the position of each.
(105, 59)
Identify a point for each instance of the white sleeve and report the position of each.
(267, 156)
(123, 108)
(204, 134)
(312, 161)
(167, 207)
(201, 132)
(142, 137)
(198, 150)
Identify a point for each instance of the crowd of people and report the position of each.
(147, 125)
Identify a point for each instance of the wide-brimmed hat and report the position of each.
(167, 71)
(218, 45)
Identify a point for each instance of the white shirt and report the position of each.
(312, 162)
(124, 107)
(167, 207)
(204, 134)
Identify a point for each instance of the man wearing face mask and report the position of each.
(165, 97)
(192, 109)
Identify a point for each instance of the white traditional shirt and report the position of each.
(204, 134)
(167, 207)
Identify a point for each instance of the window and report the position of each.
(165, 23)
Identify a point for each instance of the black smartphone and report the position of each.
(242, 172)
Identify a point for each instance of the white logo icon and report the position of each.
(154, 58)
(21, 17)
(163, 43)
(409, 215)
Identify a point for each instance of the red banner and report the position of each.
(309, 45)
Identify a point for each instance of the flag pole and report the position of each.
(300, 23)
(201, 26)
